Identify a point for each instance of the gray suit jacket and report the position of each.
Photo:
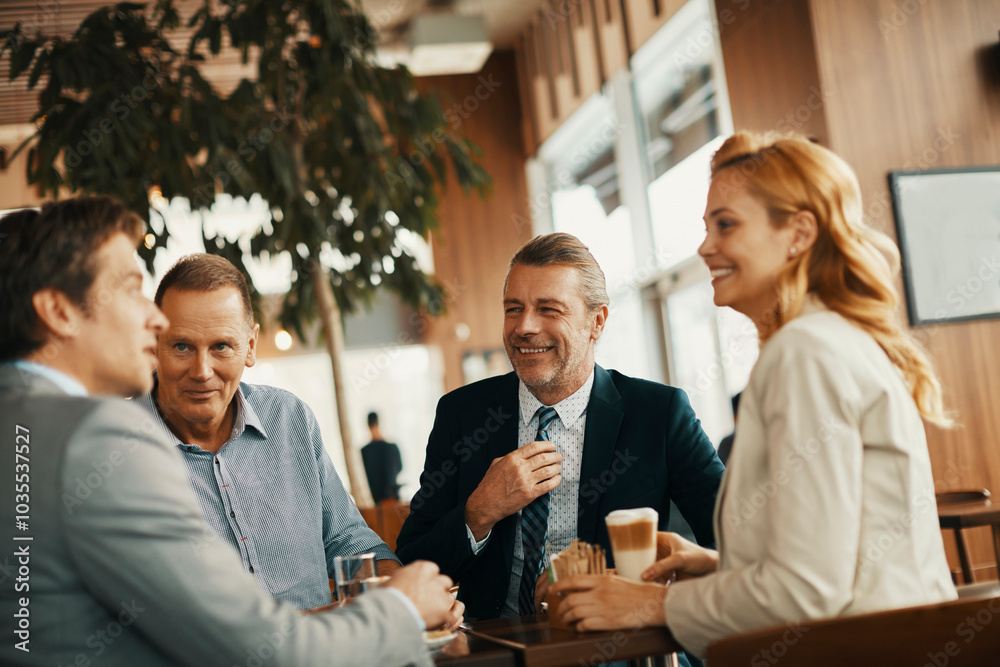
(121, 568)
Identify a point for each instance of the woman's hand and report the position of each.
(680, 559)
(601, 602)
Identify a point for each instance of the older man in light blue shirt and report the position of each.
(254, 453)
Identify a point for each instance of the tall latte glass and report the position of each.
(633, 540)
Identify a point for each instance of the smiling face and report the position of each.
(116, 335)
(743, 250)
(548, 332)
(202, 356)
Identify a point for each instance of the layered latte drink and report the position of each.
(633, 540)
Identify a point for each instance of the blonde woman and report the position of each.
(828, 507)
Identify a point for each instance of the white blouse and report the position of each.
(827, 508)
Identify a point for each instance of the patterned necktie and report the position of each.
(534, 527)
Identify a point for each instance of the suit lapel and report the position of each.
(605, 412)
(505, 402)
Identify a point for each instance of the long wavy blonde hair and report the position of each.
(850, 267)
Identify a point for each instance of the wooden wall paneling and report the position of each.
(585, 47)
(567, 83)
(612, 36)
(645, 17)
(771, 70)
(905, 88)
(543, 79)
(477, 238)
(529, 124)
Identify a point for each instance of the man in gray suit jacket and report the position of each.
(109, 560)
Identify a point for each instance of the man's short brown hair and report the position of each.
(567, 250)
(53, 248)
(203, 272)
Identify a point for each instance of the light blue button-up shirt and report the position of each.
(273, 494)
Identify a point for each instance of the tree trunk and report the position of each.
(334, 329)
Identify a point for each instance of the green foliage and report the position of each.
(345, 153)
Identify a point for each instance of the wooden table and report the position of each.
(534, 643)
(470, 651)
(970, 515)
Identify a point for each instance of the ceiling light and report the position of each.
(448, 44)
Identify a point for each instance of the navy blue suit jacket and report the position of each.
(643, 447)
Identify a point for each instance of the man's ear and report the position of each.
(600, 319)
(57, 312)
(252, 345)
(805, 230)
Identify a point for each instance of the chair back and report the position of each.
(962, 633)
(392, 514)
(962, 496)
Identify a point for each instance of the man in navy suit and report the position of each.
(496, 453)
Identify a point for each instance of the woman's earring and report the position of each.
(791, 251)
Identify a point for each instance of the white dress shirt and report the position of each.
(566, 433)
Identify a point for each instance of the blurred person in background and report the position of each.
(726, 444)
(382, 463)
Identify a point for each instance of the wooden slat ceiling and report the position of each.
(391, 17)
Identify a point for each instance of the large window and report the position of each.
(628, 173)
(679, 94)
(711, 349)
(581, 171)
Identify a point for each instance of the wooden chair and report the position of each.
(963, 633)
(386, 519)
(961, 497)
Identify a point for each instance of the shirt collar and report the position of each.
(812, 304)
(568, 409)
(245, 414)
(67, 383)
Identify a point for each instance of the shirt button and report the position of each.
(232, 513)
(251, 568)
(216, 461)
